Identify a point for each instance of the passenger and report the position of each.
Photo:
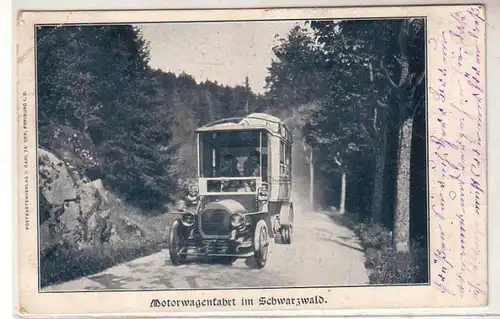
(252, 164)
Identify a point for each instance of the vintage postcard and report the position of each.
(185, 162)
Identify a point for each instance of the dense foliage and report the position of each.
(355, 82)
(359, 90)
(109, 115)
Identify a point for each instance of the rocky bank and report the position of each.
(75, 210)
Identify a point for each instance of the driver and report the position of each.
(228, 168)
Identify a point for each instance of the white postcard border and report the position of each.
(133, 302)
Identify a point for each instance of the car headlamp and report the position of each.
(188, 219)
(237, 219)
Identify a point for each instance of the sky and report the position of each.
(225, 52)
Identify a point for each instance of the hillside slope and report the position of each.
(85, 228)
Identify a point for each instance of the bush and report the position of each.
(374, 235)
(386, 265)
(391, 267)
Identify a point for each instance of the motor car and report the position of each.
(241, 200)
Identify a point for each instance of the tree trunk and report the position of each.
(342, 193)
(378, 185)
(311, 180)
(378, 188)
(401, 235)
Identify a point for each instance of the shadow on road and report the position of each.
(348, 221)
(343, 220)
(346, 245)
(325, 235)
(201, 261)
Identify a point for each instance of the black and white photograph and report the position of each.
(241, 154)
(207, 162)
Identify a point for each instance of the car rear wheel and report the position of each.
(286, 235)
(286, 231)
(175, 244)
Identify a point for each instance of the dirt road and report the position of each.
(322, 253)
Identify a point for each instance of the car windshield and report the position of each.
(233, 154)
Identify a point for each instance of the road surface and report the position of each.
(323, 253)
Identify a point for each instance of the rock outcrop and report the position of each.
(55, 183)
(73, 209)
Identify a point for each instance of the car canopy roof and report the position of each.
(254, 121)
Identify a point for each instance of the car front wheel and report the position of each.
(175, 245)
(260, 245)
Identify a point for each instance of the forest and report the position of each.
(353, 91)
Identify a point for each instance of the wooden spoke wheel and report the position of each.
(260, 245)
(175, 244)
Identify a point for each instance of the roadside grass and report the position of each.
(385, 265)
(62, 262)
(139, 235)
